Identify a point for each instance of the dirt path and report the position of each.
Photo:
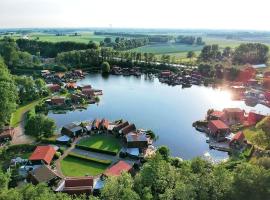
(19, 136)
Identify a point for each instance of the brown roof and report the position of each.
(78, 185)
(217, 113)
(58, 100)
(42, 174)
(105, 123)
(71, 85)
(128, 129)
(120, 126)
(232, 110)
(96, 123)
(44, 153)
(218, 124)
(118, 168)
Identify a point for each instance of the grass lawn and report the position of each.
(102, 142)
(17, 116)
(75, 167)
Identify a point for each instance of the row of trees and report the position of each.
(8, 94)
(190, 40)
(252, 53)
(162, 177)
(13, 57)
(50, 49)
(124, 44)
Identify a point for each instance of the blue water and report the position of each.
(168, 111)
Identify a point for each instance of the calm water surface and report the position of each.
(168, 111)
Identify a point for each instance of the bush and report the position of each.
(57, 155)
(61, 150)
(105, 162)
(95, 150)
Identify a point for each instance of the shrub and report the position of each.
(57, 155)
(95, 150)
(105, 162)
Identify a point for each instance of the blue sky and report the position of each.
(194, 14)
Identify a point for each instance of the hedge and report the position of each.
(95, 150)
(105, 162)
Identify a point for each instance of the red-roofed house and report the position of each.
(165, 73)
(266, 74)
(96, 124)
(104, 124)
(238, 141)
(54, 87)
(254, 118)
(233, 115)
(71, 86)
(128, 129)
(266, 83)
(246, 74)
(267, 95)
(58, 101)
(215, 115)
(118, 168)
(218, 129)
(42, 155)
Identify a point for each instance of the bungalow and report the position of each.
(71, 86)
(54, 87)
(104, 124)
(42, 155)
(45, 72)
(72, 130)
(165, 74)
(135, 140)
(78, 72)
(58, 101)
(7, 133)
(118, 127)
(77, 186)
(233, 115)
(253, 118)
(60, 75)
(266, 74)
(96, 124)
(216, 115)
(43, 174)
(85, 87)
(89, 92)
(218, 129)
(238, 141)
(128, 129)
(118, 169)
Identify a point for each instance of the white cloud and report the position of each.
(213, 14)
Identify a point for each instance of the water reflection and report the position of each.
(168, 111)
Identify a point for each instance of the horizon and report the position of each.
(197, 15)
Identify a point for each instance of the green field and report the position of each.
(17, 116)
(83, 37)
(76, 167)
(167, 48)
(102, 142)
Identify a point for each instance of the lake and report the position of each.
(168, 111)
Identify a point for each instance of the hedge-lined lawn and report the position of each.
(76, 167)
(102, 142)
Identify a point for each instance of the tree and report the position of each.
(191, 54)
(40, 126)
(250, 182)
(119, 188)
(8, 94)
(105, 66)
(164, 151)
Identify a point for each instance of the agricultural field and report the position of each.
(167, 48)
(101, 142)
(83, 37)
(70, 166)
